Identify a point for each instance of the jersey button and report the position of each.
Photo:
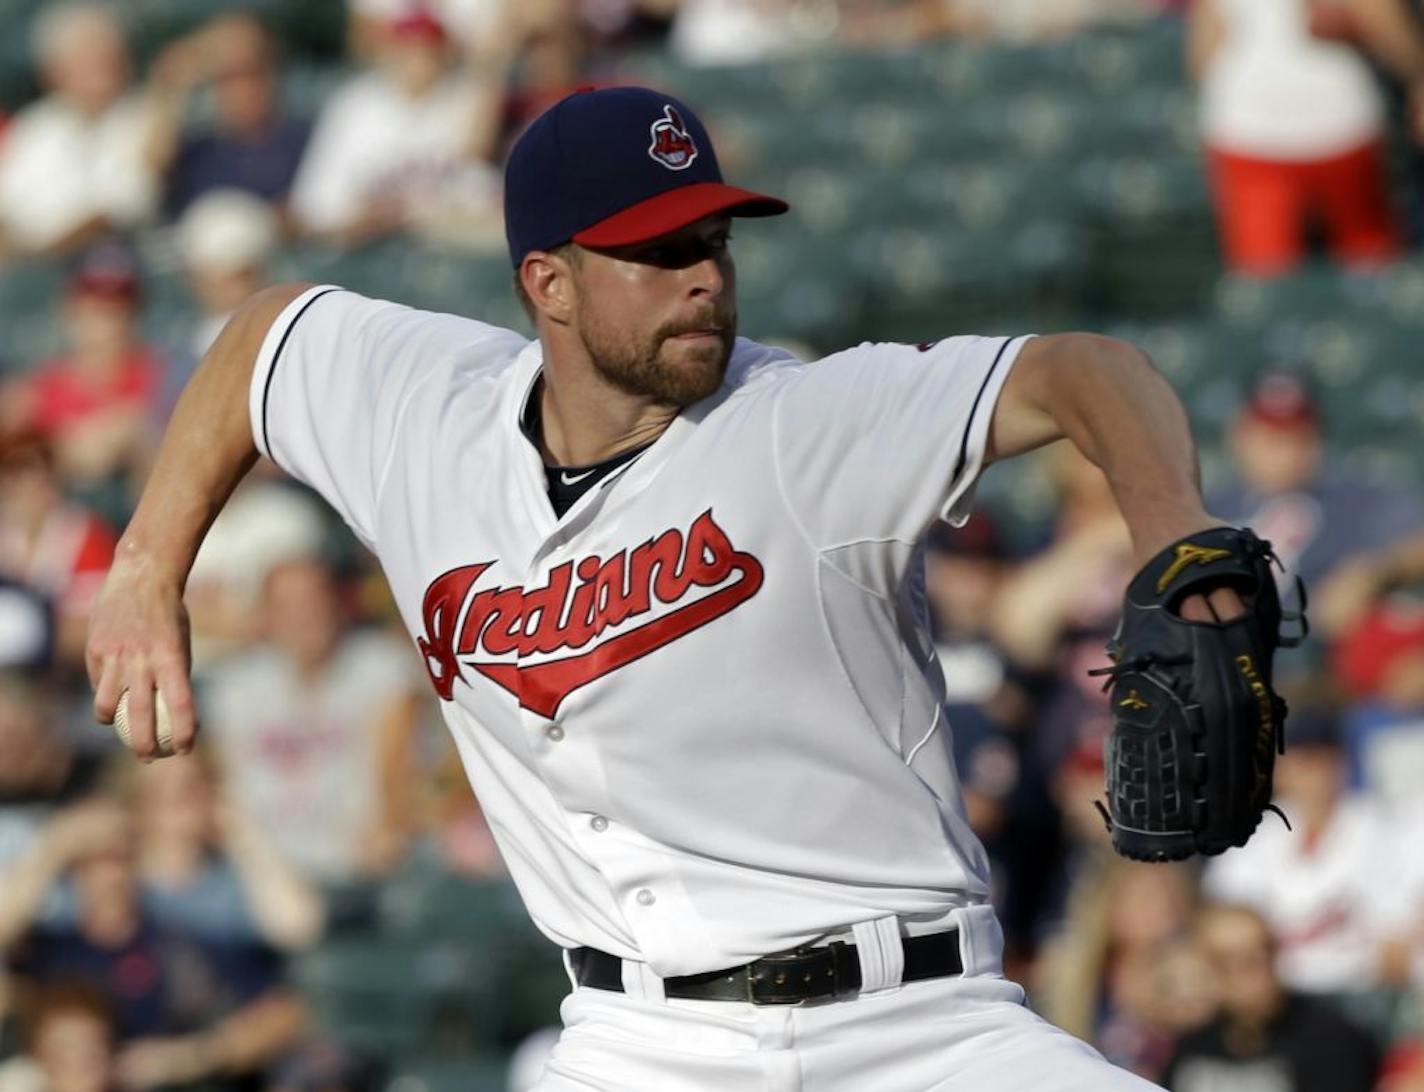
(646, 897)
(598, 823)
(555, 733)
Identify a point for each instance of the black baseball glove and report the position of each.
(1196, 725)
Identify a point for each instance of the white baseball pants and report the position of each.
(970, 1033)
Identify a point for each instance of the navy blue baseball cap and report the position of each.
(614, 166)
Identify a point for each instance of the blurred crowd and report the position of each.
(1312, 113)
(149, 915)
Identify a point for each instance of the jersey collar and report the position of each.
(529, 464)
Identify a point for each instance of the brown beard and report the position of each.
(637, 367)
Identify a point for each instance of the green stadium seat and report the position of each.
(496, 966)
(478, 1073)
(896, 76)
(1152, 237)
(431, 903)
(307, 86)
(959, 72)
(30, 295)
(1398, 293)
(17, 76)
(1122, 60)
(438, 280)
(1318, 289)
(797, 283)
(988, 194)
(373, 996)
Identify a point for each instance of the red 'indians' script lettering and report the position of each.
(580, 601)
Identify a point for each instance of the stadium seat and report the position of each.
(373, 996)
(306, 86)
(30, 294)
(478, 1073)
(431, 903)
(1319, 288)
(495, 963)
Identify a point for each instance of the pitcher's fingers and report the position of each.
(108, 689)
(142, 739)
(1195, 609)
(1226, 603)
(177, 691)
(94, 666)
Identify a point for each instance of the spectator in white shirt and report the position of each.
(1332, 889)
(73, 164)
(394, 149)
(313, 722)
(717, 32)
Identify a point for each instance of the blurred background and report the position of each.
(313, 901)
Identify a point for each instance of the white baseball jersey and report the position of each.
(701, 711)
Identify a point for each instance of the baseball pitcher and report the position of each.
(663, 581)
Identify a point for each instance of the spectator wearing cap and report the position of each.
(1330, 887)
(1316, 516)
(267, 522)
(225, 240)
(1366, 609)
(1380, 661)
(51, 543)
(1357, 585)
(394, 149)
(72, 166)
(1294, 121)
(1265, 1036)
(477, 25)
(251, 144)
(95, 404)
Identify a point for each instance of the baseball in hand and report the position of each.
(162, 723)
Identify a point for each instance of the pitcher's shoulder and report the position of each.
(753, 363)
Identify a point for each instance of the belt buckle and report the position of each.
(803, 975)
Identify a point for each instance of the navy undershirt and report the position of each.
(566, 484)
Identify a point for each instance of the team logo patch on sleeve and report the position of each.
(672, 145)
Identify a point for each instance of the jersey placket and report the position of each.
(640, 873)
(656, 909)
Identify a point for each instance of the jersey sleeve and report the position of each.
(333, 379)
(873, 443)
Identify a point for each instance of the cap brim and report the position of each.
(675, 209)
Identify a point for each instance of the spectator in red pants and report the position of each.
(1293, 121)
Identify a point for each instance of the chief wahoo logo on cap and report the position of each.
(672, 144)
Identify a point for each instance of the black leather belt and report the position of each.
(807, 974)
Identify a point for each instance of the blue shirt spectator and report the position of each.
(262, 163)
(250, 145)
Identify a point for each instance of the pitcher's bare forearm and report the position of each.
(207, 448)
(138, 629)
(1106, 397)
